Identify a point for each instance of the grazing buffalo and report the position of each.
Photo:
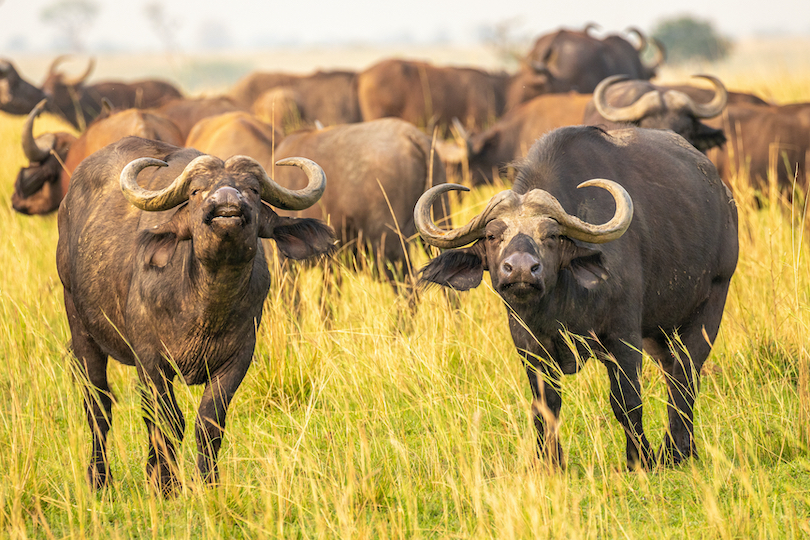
(427, 95)
(645, 261)
(569, 60)
(17, 96)
(618, 102)
(510, 138)
(163, 270)
(41, 185)
(761, 139)
(328, 97)
(186, 112)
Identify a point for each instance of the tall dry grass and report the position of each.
(361, 418)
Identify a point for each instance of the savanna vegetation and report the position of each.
(361, 418)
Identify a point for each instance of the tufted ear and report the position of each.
(459, 269)
(586, 264)
(160, 242)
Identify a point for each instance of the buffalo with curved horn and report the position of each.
(619, 101)
(645, 261)
(163, 269)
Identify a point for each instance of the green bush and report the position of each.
(687, 38)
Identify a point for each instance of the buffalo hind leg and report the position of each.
(210, 424)
(682, 356)
(623, 363)
(161, 415)
(91, 364)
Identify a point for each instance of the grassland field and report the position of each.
(361, 418)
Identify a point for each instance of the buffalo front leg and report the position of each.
(91, 365)
(210, 424)
(546, 405)
(623, 363)
(165, 426)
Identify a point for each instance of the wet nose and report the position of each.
(520, 267)
(226, 195)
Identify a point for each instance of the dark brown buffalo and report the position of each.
(17, 96)
(570, 60)
(702, 95)
(377, 170)
(761, 138)
(328, 97)
(186, 112)
(79, 104)
(163, 270)
(511, 137)
(428, 95)
(52, 157)
(618, 102)
(644, 262)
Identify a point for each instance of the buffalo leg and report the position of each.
(92, 367)
(210, 424)
(682, 361)
(623, 365)
(545, 409)
(161, 412)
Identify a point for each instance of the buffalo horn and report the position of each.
(76, 80)
(717, 103)
(281, 197)
(543, 203)
(36, 151)
(163, 199)
(642, 39)
(575, 228)
(632, 113)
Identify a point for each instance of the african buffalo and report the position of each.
(655, 273)
(17, 96)
(377, 170)
(186, 112)
(79, 103)
(40, 187)
(428, 95)
(163, 270)
(510, 138)
(618, 102)
(570, 60)
(762, 138)
(329, 97)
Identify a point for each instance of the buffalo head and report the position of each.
(40, 186)
(17, 96)
(524, 240)
(222, 210)
(644, 105)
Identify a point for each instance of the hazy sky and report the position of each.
(123, 24)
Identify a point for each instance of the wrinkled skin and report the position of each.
(662, 285)
(177, 292)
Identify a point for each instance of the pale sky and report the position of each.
(244, 24)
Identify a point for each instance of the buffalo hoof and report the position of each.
(98, 477)
(671, 456)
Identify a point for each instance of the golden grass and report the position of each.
(363, 419)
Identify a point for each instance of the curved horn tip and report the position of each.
(142, 163)
(293, 161)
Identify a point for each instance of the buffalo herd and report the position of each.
(619, 231)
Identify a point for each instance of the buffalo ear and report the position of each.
(478, 144)
(586, 264)
(459, 269)
(301, 238)
(160, 242)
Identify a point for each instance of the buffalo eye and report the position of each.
(194, 192)
(254, 190)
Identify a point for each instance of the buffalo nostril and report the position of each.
(535, 268)
(507, 267)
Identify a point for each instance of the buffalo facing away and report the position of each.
(160, 256)
(655, 274)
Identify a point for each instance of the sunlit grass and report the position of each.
(362, 418)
